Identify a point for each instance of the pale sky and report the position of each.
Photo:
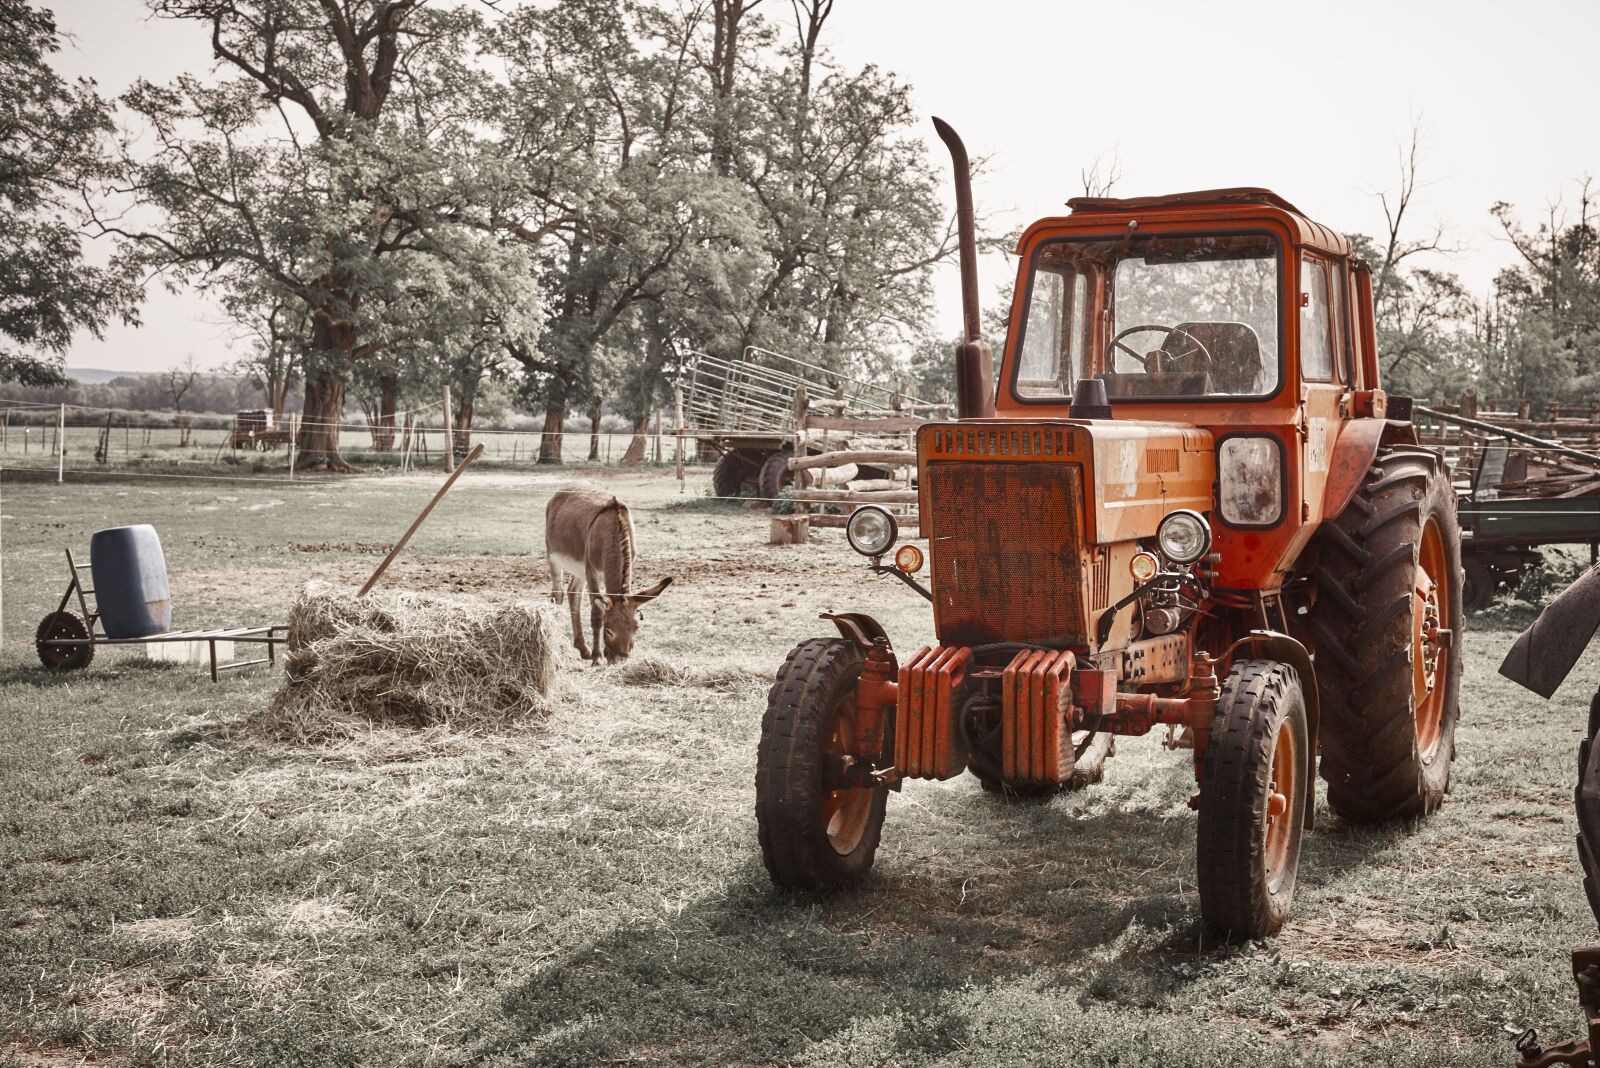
(1310, 100)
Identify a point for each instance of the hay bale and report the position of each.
(410, 659)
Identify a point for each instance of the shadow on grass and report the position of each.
(756, 974)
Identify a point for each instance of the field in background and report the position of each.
(588, 890)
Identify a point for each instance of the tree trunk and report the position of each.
(550, 438)
(319, 423)
(463, 429)
(635, 451)
(388, 402)
(594, 431)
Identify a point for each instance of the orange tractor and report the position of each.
(1185, 502)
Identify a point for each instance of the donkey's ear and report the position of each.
(600, 601)
(652, 592)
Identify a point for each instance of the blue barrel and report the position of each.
(130, 581)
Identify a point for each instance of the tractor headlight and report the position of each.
(871, 530)
(1184, 536)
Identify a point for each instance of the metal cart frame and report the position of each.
(269, 636)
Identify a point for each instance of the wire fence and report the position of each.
(76, 439)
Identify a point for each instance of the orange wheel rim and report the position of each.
(1284, 780)
(845, 812)
(1430, 649)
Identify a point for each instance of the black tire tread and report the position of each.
(74, 658)
(1362, 638)
(789, 787)
(1259, 698)
(773, 469)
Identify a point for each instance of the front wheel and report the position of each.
(1253, 782)
(815, 836)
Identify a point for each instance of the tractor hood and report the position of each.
(1132, 473)
(1544, 654)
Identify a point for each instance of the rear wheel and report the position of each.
(813, 836)
(729, 476)
(1387, 627)
(56, 627)
(775, 474)
(1253, 782)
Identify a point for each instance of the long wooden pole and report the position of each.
(477, 450)
(677, 404)
(61, 441)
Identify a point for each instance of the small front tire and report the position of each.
(814, 837)
(1253, 792)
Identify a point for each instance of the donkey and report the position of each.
(588, 540)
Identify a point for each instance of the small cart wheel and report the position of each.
(814, 837)
(1253, 788)
(1477, 585)
(63, 626)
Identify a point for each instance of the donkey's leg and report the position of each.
(574, 599)
(558, 578)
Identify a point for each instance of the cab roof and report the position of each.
(1251, 200)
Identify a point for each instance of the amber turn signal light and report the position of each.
(1144, 566)
(908, 559)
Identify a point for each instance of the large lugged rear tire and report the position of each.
(729, 476)
(814, 838)
(1586, 798)
(775, 474)
(1387, 629)
(1253, 800)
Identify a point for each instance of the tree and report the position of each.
(50, 143)
(178, 380)
(334, 163)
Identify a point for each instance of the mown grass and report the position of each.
(588, 890)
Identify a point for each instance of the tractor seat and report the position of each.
(1235, 354)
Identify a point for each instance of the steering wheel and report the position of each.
(1194, 347)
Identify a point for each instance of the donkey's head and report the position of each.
(619, 619)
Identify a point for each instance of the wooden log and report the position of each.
(839, 496)
(887, 424)
(790, 530)
(836, 476)
(872, 457)
(873, 485)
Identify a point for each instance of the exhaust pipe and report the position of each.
(974, 363)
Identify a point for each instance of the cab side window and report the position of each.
(1316, 322)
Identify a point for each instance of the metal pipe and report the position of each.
(1514, 435)
(966, 228)
(974, 363)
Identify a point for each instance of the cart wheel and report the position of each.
(62, 625)
(1253, 787)
(813, 837)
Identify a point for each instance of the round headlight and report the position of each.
(871, 530)
(1184, 536)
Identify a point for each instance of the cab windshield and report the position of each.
(1154, 316)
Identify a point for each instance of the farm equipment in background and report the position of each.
(133, 606)
(1540, 660)
(254, 428)
(1517, 492)
(1192, 506)
(748, 413)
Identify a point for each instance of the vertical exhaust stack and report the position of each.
(974, 363)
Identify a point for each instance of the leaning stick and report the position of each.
(477, 451)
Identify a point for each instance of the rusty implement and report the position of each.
(1036, 716)
(928, 742)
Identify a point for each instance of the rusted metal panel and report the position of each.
(1163, 659)
(928, 742)
(1349, 463)
(1007, 552)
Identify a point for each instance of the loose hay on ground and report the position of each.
(410, 659)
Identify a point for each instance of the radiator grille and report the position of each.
(1006, 552)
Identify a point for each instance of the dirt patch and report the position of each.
(26, 1055)
(159, 929)
(370, 547)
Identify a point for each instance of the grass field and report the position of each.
(588, 890)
